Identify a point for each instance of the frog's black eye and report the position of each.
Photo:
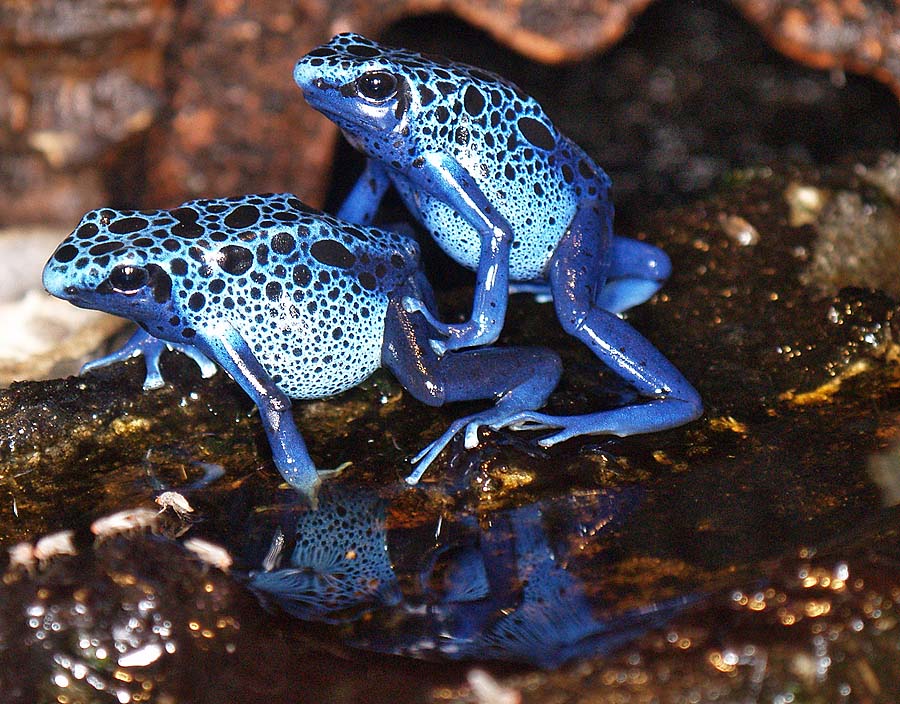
(377, 86)
(127, 278)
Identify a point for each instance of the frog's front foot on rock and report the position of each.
(307, 480)
(151, 348)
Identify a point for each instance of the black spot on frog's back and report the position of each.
(367, 280)
(242, 217)
(66, 253)
(125, 226)
(273, 291)
(105, 248)
(302, 275)
(474, 101)
(427, 95)
(235, 259)
(187, 225)
(196, 301)
(537, 133)
(363, 51)
(332, 253)
(86, 231)
(283, 243)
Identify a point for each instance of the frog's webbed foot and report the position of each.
(430, 453)
(151, 348)
(533, 420)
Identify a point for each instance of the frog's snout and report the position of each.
(303, 75)
(56, 282)
(53, 281)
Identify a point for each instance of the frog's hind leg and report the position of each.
(520, 378)
(575, 270)
(637, 270)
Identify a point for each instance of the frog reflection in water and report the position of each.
(500, 592)
(503, 193)
(292, 303)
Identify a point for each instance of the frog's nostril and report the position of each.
(70, 290)
(320, 84)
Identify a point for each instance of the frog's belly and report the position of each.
(535, 235)
(321, 353)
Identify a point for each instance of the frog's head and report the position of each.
(112, 262)
(385, 100)
(361, 86)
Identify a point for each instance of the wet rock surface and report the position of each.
(764, 535)
(751, 555)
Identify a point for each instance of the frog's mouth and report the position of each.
(317, 95)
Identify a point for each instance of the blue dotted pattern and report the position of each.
(307, 292)
(340, 567)
(533, 175)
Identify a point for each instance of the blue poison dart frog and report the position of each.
(505, 194)
(292, 303)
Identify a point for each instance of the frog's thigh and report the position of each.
(466, 375)
(637, 270)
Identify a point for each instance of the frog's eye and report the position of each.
(377, 86)
(127, 278)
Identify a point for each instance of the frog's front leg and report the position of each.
(444, 178)
(576, 270)
(144, 344)
(361, 204)
(520, 378)
(224, 344)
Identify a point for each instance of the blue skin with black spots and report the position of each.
(504, 193)
(505, 589)
(292, 303)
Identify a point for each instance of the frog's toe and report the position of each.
(431, 451)
(332, 473)
(309, 484)
(558, 437)
(154, 378)
(423, 460)
(527, 420)
(208, 368)
(471, 438)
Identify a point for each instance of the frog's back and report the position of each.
(308, 292)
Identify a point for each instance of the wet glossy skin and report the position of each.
(292, 303)
(504, 193)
